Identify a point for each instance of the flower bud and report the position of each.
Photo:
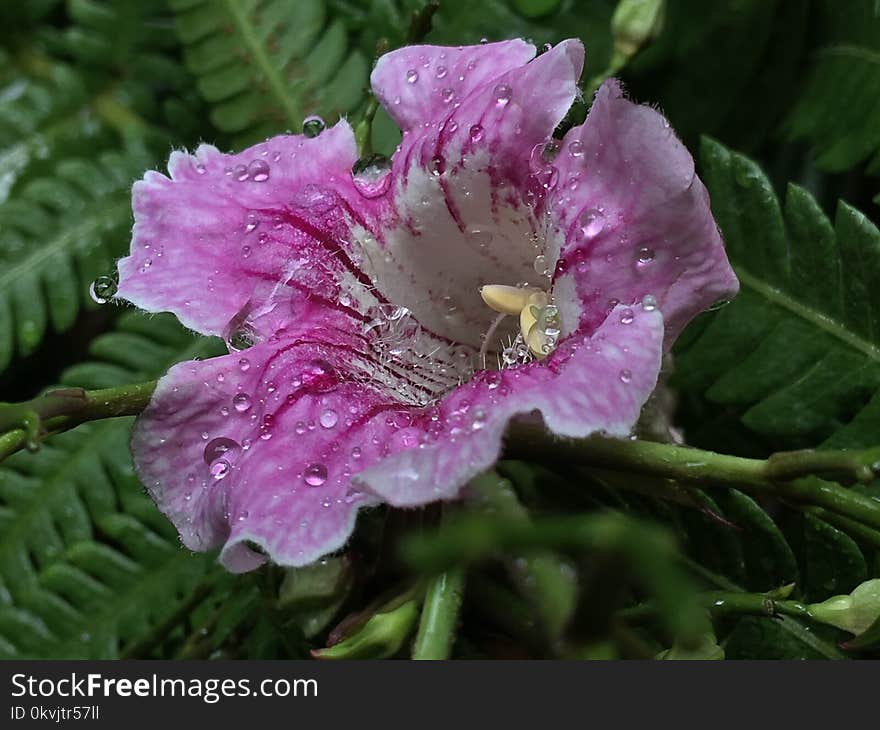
(380, 637)
(853, 613)
(634, 23)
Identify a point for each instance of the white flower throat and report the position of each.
(538, 316)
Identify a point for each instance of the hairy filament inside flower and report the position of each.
(538, 316)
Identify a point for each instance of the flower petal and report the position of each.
(589, 385)
(226, 230)
(460, 220)
(637, 217)
(258, 447)
(417, 84)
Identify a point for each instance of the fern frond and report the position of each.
(56, 235)
(797, 355)
(87, 563)
(265, 64)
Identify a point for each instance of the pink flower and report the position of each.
(365, 365)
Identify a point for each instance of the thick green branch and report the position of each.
(780, 476)
(24, 424)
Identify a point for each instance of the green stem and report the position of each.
(756, 604)
(440, 615)
(721, 602)
(62, 409)
(777, 476)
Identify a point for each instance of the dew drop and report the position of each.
(102, 289)
(315, 475)
(240, 338)
(540, 265)
(371, 175)
(476, 133)
(626, 316)
(649, 302)
(241, 402)
(219, 455)
(503, 93)
(251, 221)
(244, 364)
(328, 418)
(480, 236)
(313, 126)
(625, 376)
(258, 171)
(645, 255)
(240, 172)
(219, 468)
(436, 166)
(440, 72)
(592, 223)
(576, 148)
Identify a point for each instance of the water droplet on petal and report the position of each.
(476, 133)
(592, 222)
(447, 95)
(371, 175)
(258, 171)
(627, 316)
(649, 302)
(244, 364)
(412, 76)
(102, 289)
(313, 126)
(328, 418)
(436, 166)
(503, 93)
(480, 236)
(252, 220)
(219, 455)
(315, 475)
(240, 172)
(576, 148)
(440, 72)
(241, 402)
(540, 265)
(645, 255)
(625, 375)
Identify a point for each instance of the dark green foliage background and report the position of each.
(93, 92)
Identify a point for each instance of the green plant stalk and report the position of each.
(440, 615)
(721, 602)
(779, 476)
(60, 410)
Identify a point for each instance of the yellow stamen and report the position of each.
(506, 299)
(525, 302)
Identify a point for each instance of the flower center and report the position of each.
(538, 316)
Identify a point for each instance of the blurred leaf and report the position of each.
(782, 638)
(769, 559)
(837, 111)
(726, 68)
(831, 561)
